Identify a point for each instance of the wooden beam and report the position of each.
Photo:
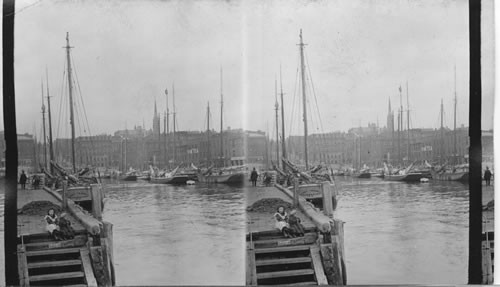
(87, 268)
(296, 192)
(96, 195)
(281, 261)
(327, 199)
(320, 221)
(288, 273)
(22, 267)
(317, 264)
(251, 272)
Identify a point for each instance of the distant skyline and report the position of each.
(126, 54)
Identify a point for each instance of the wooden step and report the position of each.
(52, 251)
(282, 249)
(56, 276)
(306, 283)
(59, 263)
(79, 240)
(288, 273)
(266, 262)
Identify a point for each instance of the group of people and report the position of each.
(59, 228)
(23, 179)
(266, 178)
(288, 224)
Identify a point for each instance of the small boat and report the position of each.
(455, 173)
(362, 174)
(129, 176)
(229, 175)
(405, 175)
(168, 177)
(145, 175)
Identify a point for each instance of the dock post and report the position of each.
(327, 199)
(64, 196)
(96, 201)
(295, 192)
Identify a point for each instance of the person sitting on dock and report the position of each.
(66, 231)
(52, 221)
(295, 225)
(281, 224)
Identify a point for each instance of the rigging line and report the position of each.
(292, 116)
(61, 99)
(81, 97)
(313, 90)
(24, 8)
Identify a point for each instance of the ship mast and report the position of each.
(283, 143)
(442, 132)
(400, 124)
(167, 115)
(71, 114)
(221, 121)
(208, 134)
(455, 122)
(276, 108)
(44, 133)
(173, 119)
(51, 148)
(408, 121)
(304, 104)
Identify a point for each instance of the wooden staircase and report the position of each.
(44, 261)
(273, 259)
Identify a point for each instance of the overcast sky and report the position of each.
(358, 53)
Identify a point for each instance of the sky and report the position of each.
(358, 54)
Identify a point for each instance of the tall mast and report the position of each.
(51, 148)
(283, 143)
(455, 122)
(400, 125)
(165, 121)
(173, 119)
(167, 157)
(276, 108)
(304, 104)
(71, 114)
(44, 134)
(208, 134)
(442, 132)
(221, 119)
(408, 121)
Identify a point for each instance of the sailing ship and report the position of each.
(455, 172)
(310, 178)
(406, 174)
(233, 175)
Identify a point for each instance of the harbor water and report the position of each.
(394, 232)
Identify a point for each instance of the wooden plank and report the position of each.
(64, 195)
(56, 276)
(96, 201)
(79, 240)
(486, 264)
(251, 272)
(331, 263)
(296, 192)
(59, 263)
(305, 283)
(317, 264)
(52, 251)
(274, 234)
(327, 198)
(266, 262)
(308, 238)
(282, 249)
(107, 231)
(288, 273)
(22, 267)
(87, 268)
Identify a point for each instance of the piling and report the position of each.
(327, 199)
(295, 192)
(64, 195)
(96, 201)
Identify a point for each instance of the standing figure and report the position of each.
(295, 225)
(487, 176)
(253, 177)
(281, 224)
(23, 179)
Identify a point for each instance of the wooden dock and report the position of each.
(85, 260)
(317, 258)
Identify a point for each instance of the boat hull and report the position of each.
(362, 175)
(451, 176)
(233, 178)
(411, 177)
(129, 178)
(177, 179)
